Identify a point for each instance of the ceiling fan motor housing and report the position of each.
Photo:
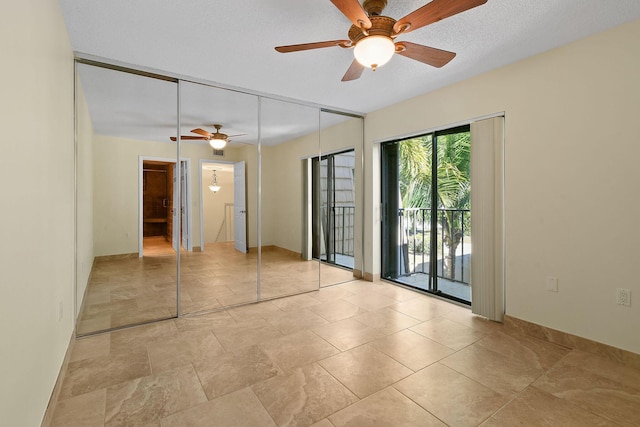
(380, 26)
(218, 134)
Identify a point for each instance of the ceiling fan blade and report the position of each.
(425, 54)
(353, 10)
(315, 45)
(238, 134)
(354, 72)
(433, 11)
(188, 137)
(201, 132)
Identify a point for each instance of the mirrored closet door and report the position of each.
(220, 267)
(128, 226)
(193, 198)
(288, 136)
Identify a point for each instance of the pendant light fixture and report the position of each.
(214, 183)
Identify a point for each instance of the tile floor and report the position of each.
(126, 289)
(356, 354)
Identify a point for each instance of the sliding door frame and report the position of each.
(320, 233)
(390, 225)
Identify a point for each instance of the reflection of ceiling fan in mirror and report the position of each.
(372, 35)
(217, 139)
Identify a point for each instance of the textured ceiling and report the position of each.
(231, 42)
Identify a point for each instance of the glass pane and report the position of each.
(219, 266)
(426, 213)
(407, 221)
(289, 137)
(127, 216)
(339, 225)
(454, 220)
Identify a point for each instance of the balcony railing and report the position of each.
(343, 222)
(453, 242)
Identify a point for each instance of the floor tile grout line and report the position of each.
(511, 397)
(327, 341)
(419, 405)
(509, 401)
(578, 403)
(513, 394)
(262, 404)
(200, 381)
(342, 384)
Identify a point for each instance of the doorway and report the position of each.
(426, 224)
(157, 207)
(161, 229)
(217, 207)
(333, 207)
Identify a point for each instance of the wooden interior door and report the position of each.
(154, 200)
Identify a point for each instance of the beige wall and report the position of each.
(115, 195)
(37, 253)
(282, 191)
(571, 178)
(282, 180)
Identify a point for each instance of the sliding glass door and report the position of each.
(336, 220)
(334, 204)
(426, 219)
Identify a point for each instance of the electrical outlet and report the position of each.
(623, 296)
(552, 284)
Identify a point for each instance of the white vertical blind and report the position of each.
(487, 218)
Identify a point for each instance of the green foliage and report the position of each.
(415, 172)
(418, 243)
(454, 189)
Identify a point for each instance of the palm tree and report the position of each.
(453, 192)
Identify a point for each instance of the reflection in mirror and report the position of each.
(127, 216)
(288, 138)
(218, 270)
(337, 200)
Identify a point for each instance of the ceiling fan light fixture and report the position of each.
(217, 144)
(374, 51)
